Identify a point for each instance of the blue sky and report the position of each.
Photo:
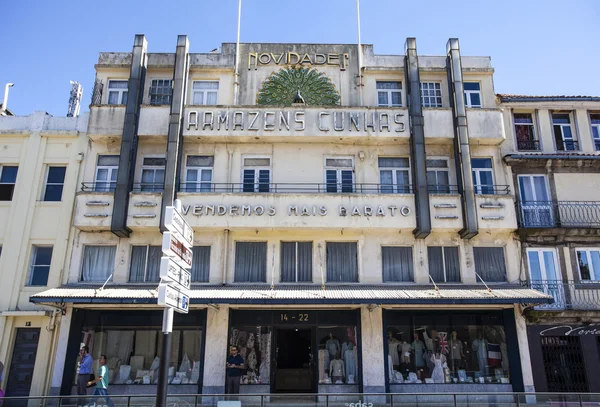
(540, 47)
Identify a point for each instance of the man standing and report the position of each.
(235, 364)
(85, 369)
(101, 382)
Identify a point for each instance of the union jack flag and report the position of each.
(444, 342)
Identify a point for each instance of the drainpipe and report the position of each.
(5, 100)
(225, 256)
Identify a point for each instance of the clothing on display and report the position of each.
(337, 371)
(393, 350)
(438, 361)
(349, 358)
(323, 362)
(405, 349)
(418, 347)
(333, 346)
(480, 347)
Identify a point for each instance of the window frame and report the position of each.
(338, 177)
(395, 186)
(257, 169)
(46, 183)
(468, 93)
(439, 189)
(476, 171)
(389, 93)
(504, 262)
(355, 242)
(533, 131)
(437, 87)
(573, 139)
(120, 92)
(14, 184)
(111, 276)
(154, 187)
(235, 260)
(145, 280)
(444, 264)
(32, 265)
(312, 252)
(587, 250)
(108, 187)
(595, 126)
(160, 95)
(413, 271)
(204, 92)
(199, 185)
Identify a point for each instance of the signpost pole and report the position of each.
(163, 368)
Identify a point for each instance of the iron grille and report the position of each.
(564, 364)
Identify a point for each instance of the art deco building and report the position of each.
(345, 205)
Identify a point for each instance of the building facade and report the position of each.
(354, 225)
(552, 149)
(40, 161)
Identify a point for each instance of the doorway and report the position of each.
(22, 362)
(294, 372)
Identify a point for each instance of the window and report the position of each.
(296, 262)
(431, 94)
(483, 176)
(444, 266)
(563, 133)
(106, 173)
(205, 92)
(55, 181)
(525, 132)
(145, 264)
(250, 262)
(389, 94)
(161, 91)
(153, 174)
(342, 262)
(117, 92)
(535, 202)
(339, 174)
(198, 173)
(397, 264)
(8, 178)
(200, 264)
(472, 94)
(595, 122)
(490, 264)
(588, 264)
(545, 275)
(394, 175)
(41, 256)
(438, 180)
(256, 176)
(98, 263)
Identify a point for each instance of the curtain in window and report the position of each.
(397, 264)
(153, 271)
(119, 344)
(452, 264)
(436, 264)
(250, 262)
(289, 265)
(138, 264)
(490, 264)
(98, 263)
(305, 261)
(145, 345)
(192, 344)
(200, 264)
(342, 262)
(288, 262)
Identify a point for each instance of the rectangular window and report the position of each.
(161, 91)
(444, 266)
(588, 264)
(397, 263)
(41, 256)
(200, 264)
(117, 92)
(483, 175)
(490, 264)
(394, 175)
(153, 174)
(438, 180)
(525, 132)
(472, 94)
(55, 181)
(296, 262)
(98, 263)
(198, 173)
(256, 175)
(389, 93)
(595, 122)
(145, 264)
(342, 262)
(563, 133)
(8, 179)
(250, 262)
(205, 92)
(339, 174)
(106, 173)
(431, 94)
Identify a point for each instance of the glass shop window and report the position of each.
(338, 354)
(254, 345)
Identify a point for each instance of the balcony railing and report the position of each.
(528, 145)
(488, 189)
(568, 295)
(300, 188)
(558, 214)
(148, 187)
(98, 186)
(567, 145)
(443, 189)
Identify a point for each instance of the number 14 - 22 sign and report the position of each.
(296, 317)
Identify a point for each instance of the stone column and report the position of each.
(524, 351)
(373, 366)
(215, 350)
(61, 352)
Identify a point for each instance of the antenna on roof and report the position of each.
(75, 99)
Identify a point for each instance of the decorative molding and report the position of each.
(97, 203)
(444, 206)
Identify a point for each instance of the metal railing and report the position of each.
(567, 145)
(148, 187)
(439, 399)
(488, 189)
(528, 145)
(301, 188)
(443, 189)
(558, 214)
(98, 186)
(568, 295)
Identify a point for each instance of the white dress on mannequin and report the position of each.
(438, 371)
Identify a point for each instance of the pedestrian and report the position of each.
(101, 382)
(85, 370)
(235, 364)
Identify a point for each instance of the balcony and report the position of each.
(94, 206)
(294, 188)
(528, 145)
(558, 214)
(568, 295)
(496, 212)
(486, 126)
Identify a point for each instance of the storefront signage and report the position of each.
(171, 296)
(170, 271)
(176, 224)
(388, 120)
(296, 317)
(256, 59)
(567, 330)
(295, 210)
(174, 248)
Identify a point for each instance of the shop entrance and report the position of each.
(293, 362)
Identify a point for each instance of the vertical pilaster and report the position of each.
(129, 138)
(417, 139)
(461, 140)
(174, 137)
(58, 366)
(215, 350)
(373, 366)
(525, 359)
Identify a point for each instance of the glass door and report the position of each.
(536, 205)
(545, 274)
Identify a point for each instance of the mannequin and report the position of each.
(393, 348)
(456, 351)
(480, 347)
(406, 351)
(438, 371)
(333, 346)
(348, 357)
(337, 371)
(418, 348)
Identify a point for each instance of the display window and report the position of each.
(254, 346)
(338, 355)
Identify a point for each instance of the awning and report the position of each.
(302, 294)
